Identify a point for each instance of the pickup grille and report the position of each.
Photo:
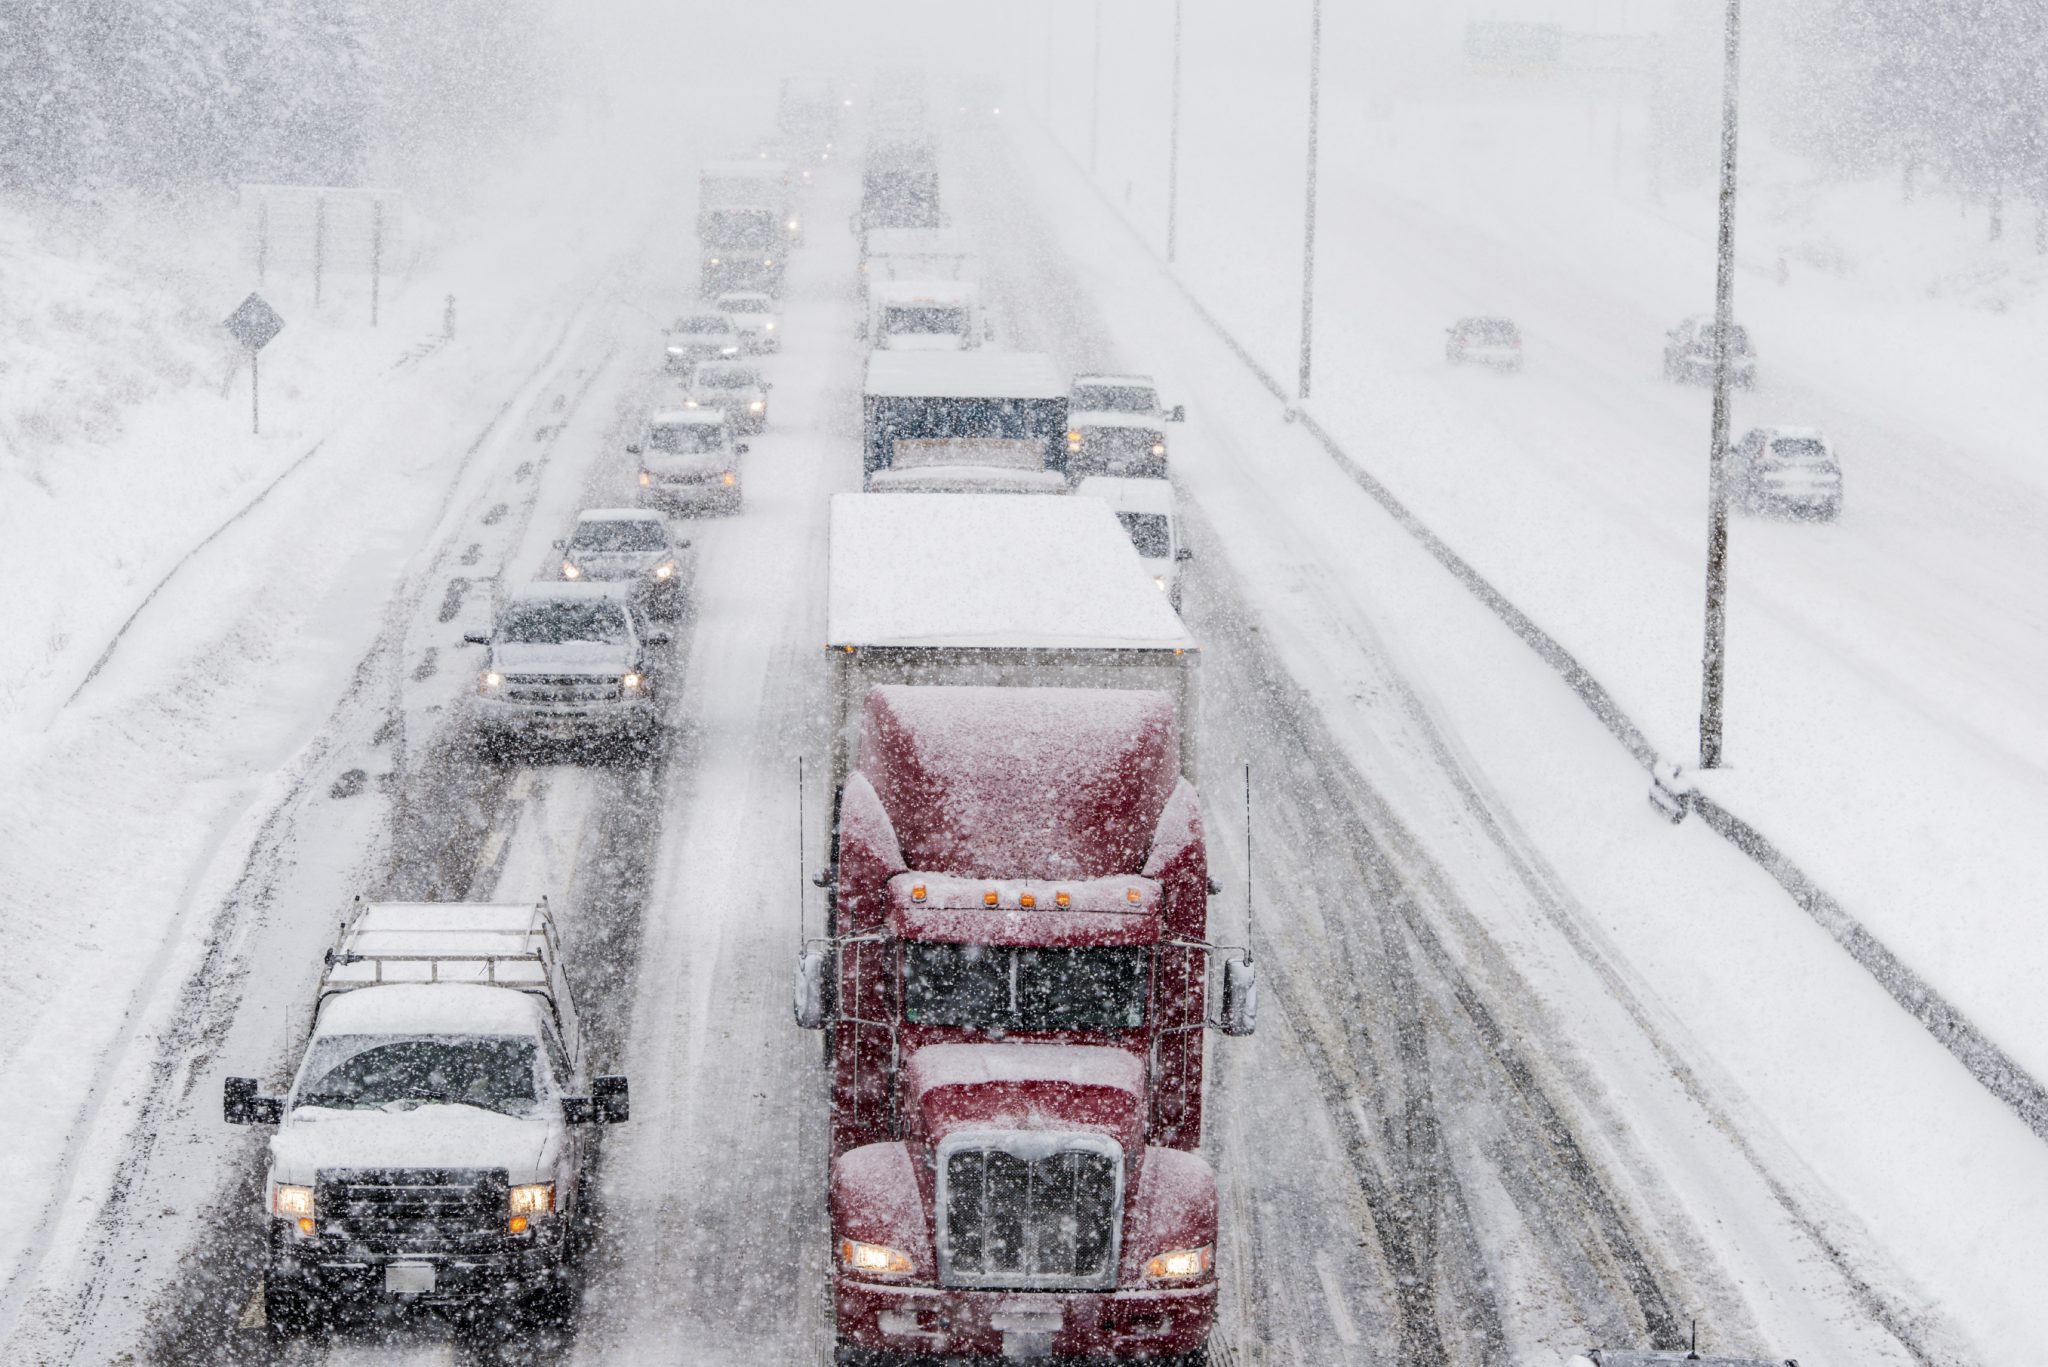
(567, 689)
(1047, 1221)
(413, 1210)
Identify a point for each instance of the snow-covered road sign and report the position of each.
(254, 323)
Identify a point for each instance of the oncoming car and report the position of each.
(754, 318)
(734, 388)
(629, 547)
(1495, 342)
(1790, 471)
(701, 337)
(688, 460)
(1689, 353)
(568, 662)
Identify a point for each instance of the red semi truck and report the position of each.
(1016, 977)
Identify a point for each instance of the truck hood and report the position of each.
(429, 1137)
(567, 657)
(1027, 1086)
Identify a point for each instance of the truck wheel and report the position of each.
(290, 1312)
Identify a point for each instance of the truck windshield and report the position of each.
(739, 227)
(635, 535)
(550, 624)
(744, 303)
(924, 318)
(1148, 532)
(997, 987)
(1113, 398)
(403, 1072)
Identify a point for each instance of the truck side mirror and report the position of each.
(613, 1100)
(579, 1110)
(1182, 553)
(809, 989)
(1179, 413)
(473, 639)
(1238, 1012)
(241, 1106)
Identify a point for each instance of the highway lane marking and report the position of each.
(1333, 1297)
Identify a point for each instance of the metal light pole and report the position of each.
(1308, 244)
(1095, 93)
(1715, 655)
(1173, 143)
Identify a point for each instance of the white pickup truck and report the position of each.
(430, 1147)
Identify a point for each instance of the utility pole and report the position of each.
(1173, 143)
(1308, 244)
(1095, 95)
(1715, 655)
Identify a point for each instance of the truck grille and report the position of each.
(1047, 1221)
(413, 1210)
(568, 689)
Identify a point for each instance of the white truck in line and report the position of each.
(431, 1147)
(926, 315)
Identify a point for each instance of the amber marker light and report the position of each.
(1133, 896)
(990, 898)
(1062, 899)
(1027, 901)
(917, 892)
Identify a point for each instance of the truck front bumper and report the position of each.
(337, 1271)
(878, 1322)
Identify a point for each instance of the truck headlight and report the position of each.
(756, 406)
(768, 326)
(728, 478)
(630, 682)
(665, 570)
(294, 1204)
(1158, 448)
(1181, 1264)
(873, 1260)
(645, 479)
(689, 403)
(490, 679)
(729, 351)
(527, 1201)
(569, 571)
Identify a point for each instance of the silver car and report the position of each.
(568, 662)
(1786, 471)
(701, 337)
(689, 460)
(631, 548)
(735, 388)
(753, 318)
(1117, 426)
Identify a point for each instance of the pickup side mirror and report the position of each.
(740, 450)
(634, 449)
(240, 1105)
(613, 1100)
(1238, 1011)
(1179, 413)
(473, 639)
(656, 638)
(1183, 554)
(808, 984)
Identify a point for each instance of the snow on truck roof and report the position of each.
(925, 291)
(990, 571)
(976, 374)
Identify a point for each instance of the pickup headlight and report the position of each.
(729, 351)
(768, 326)
(569, 570)
(489, 680)
(294, 1204)
(689, 403)
(756, 406)
(1158, 448)
(645, 479)
(1160, 580)
(1182, 1264)
(665, 570)
(534, 1198)
(873, 1260)
(631, 682)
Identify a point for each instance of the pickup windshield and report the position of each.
(704, 324)
(997, 987)
(403, 1072)
(551, 624)
(638, 534)
(1113, 398)
(727, 377)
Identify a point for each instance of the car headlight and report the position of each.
(689, 403)
(729, 477)
(490, 679)
(569, 571)
(645, 479)
(768, 326)
(631, 682)
(294, 1204)
(1158, 448)
(729, 350)
(527, 1201)
(1181, 1264)
(792, 225)
(873, 1260)
(715, 261)
(665, 569)
(767, 260)
(756, 406)
(675, 351)
(1160, 580)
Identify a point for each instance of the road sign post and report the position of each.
(253, 324)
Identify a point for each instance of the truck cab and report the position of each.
(431, 1147)
(926, 315)
(1019, 988)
